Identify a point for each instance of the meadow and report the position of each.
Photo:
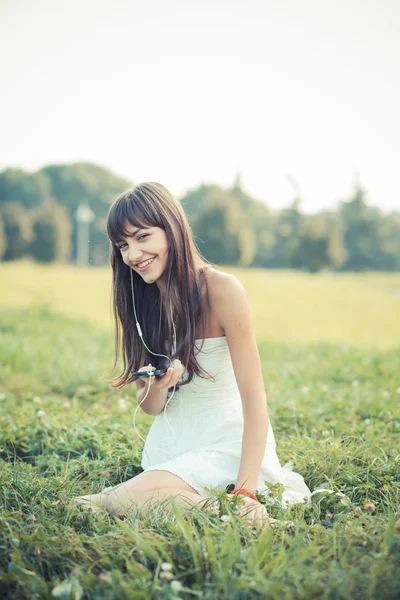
(330, 351)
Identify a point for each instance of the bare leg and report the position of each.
(123, 501)
(122, 504)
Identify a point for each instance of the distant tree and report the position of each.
(29, 189)
(259, 232)
(389, 241)
(70, 185)
(239, 228)
(18, 230)
(287, 223)
(3, 240)
(195, 199)
(91, 184)
(287, 231)
(312, 251)
(361, 234)
(336, 250)
(222, 225)
(52, 232)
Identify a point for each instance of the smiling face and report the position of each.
(142, 245)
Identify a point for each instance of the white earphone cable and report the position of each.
(151, 375)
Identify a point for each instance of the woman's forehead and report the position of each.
(131, 228)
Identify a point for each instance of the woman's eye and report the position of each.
(139, 238)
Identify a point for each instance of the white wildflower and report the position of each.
(122, 404)
(166, 566)
(37, 400)
(40, 414)
(176, 586)
(226, 518)
(66, 404)
(166, 575)
(385, 394)
(367, 421)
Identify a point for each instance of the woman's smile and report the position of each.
(146, 264)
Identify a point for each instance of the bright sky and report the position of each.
(295, 92)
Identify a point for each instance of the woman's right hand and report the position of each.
(169, 379)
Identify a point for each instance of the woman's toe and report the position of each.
(89, 503)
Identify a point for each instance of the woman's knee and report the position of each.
(151, 480)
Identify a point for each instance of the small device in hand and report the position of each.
(156, 372)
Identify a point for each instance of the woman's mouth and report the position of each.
(145, 265)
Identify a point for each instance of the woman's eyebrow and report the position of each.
(132, 234)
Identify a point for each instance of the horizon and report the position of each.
(273, 210)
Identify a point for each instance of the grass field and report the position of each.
(330, 350)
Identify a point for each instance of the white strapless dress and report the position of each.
(198, 436)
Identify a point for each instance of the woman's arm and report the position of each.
(231, 305)
(155, 400)
(158, 394)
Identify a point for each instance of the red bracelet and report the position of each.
(244, 491)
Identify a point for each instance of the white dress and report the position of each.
(198, 437)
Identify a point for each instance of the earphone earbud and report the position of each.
(149, 372)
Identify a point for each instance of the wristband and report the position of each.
(244, 491)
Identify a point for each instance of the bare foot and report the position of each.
(275, 522)
(92, 502)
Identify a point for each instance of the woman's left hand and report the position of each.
(251, 509)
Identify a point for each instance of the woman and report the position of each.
(218, 432)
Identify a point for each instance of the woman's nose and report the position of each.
(133, 255)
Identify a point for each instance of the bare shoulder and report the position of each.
(222, 285)
(223, 289)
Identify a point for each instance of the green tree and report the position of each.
(336, 250)
(70, 185)
(195, 199)
(52, 232)
(222, 225)
(258, 236)
(389, 241)
(3, 240)
(18, 230)
(29, 189)
(361, 234)
(91, 184)
(312, 251)
(287, 233)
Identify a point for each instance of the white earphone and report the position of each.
(151, 374)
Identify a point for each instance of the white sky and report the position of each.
(184, 92)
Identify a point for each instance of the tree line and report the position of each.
(37, 219)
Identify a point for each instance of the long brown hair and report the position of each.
(150, 204)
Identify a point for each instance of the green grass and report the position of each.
(287, 306)
(334, 409)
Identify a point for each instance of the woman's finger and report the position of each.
(252, 509)
(148, 367)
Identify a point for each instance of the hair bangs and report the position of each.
(126, 212)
